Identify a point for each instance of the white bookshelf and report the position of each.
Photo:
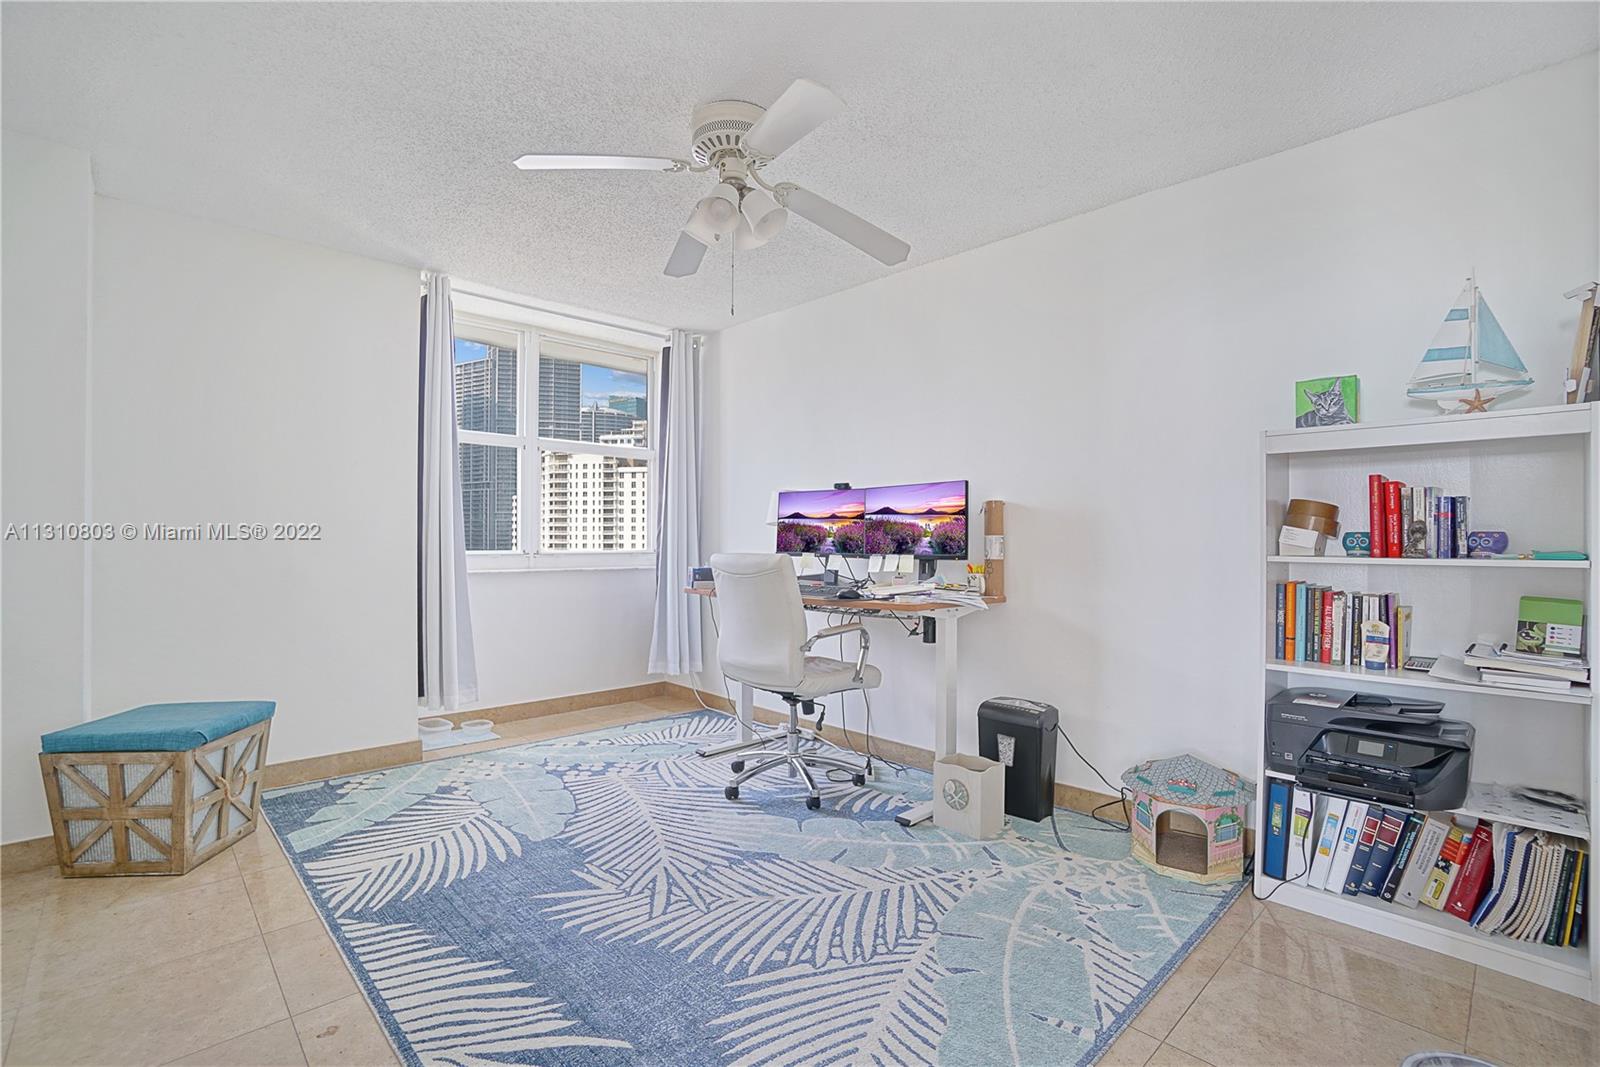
(1532, 472)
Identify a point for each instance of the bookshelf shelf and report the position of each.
(1536, 473)
(1448, 564)
(1479, 806)
(1564, 969)
(1354, 677)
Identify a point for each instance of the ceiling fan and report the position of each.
(737, 139)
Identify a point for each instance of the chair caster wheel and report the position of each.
(731, 792)
(813, 803)
(738, 765)
(858, 779)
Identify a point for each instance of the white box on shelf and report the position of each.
(1296, 541)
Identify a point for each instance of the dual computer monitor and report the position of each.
(927, 520)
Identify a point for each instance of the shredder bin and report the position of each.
(1021, 735)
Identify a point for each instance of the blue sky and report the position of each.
(598, 384)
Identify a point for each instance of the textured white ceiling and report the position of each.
(389, 129)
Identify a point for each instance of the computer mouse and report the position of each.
(849, 594)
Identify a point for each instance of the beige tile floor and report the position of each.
(229, 965)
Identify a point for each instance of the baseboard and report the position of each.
(1070, 797)
(340, 764)
(34, 854)
(533, 709)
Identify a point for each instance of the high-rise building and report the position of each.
(596, 423)
(592, 503)
(560, 397)
(486, 399)
(636, 406)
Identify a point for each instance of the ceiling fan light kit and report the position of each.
(737, 139)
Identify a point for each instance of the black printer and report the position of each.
(1370, 747)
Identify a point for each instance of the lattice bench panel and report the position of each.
(154, 812)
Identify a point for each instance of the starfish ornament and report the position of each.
(1479, 402)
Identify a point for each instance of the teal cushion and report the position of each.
(160, 727)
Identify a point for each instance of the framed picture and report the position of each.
(1326, 401)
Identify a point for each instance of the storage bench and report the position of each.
(159, 789)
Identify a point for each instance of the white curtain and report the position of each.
(675, 641)
(449, 674)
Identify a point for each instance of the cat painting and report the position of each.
(1325, 402)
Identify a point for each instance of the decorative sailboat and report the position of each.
(1470, 362)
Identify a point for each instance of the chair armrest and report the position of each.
(835, 631)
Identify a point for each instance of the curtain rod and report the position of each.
(658, 335)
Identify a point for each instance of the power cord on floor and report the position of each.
(1112, 826)
(1305, 866)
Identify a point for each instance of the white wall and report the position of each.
(1108, 377)
(552, 633)
(244, 378)
(47, 226)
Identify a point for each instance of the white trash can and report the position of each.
(969, 795)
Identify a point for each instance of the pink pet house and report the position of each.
(1188, 818)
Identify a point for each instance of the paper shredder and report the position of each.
(1021, 734)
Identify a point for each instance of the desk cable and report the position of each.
(1110, 825)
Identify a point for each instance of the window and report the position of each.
(575, 477)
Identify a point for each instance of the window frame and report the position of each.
(531, 341)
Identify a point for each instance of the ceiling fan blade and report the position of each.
(803, 107)
(537, 162)
(685, 258)
(847, 226)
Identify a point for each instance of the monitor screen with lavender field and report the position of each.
(927, 519)
(824, 522)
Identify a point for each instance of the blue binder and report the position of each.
(1275, 849)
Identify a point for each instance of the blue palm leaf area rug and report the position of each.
(595, 900)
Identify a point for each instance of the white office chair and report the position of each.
(763, 643)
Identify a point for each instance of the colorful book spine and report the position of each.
(1325, 634)
(1556, 924)
(1391, 519)
(1461, 527)
(1473, 880)
(1392, 605)
(1277, 631)
(1301, 814)
(1572, 903)
(1402, 855)
(1445, 869)
(1290, 593)
(1364, 843)
(1578, 923)
(1384, 846)
(1355, 817)
(1275, 844)
(1424, 854)
(1339, 645)
(1447, 536)
(1300, 610)
(1375, 513)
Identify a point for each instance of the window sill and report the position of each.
(499, 562)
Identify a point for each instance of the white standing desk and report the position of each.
(939, 618)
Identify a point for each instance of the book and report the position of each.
(1471, 883)
(1338, 646)
(1277, 633)
(1402, 856)
(1555, 926)
(1445, 869)
(1375, 516)
(1519, 857)
(1355, 817)
(1303, 594)
(1384, 845)
(1290, 593)
(1500, 836)
(1424, 854)
(1301, 813)
(1549, 625)
(1588, 328)
(1501, 658)
(1573, 900)
(1391, 519)
(1275, 836)
(1461, 527)
(1518, 680)
(1578, 923)
(1364, 842)
(1325, 629)
(1417, 524)
(1391, 608)
(1447, 537)
(1332, 819)
(1402, 634)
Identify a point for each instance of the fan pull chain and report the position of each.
(732, 251)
